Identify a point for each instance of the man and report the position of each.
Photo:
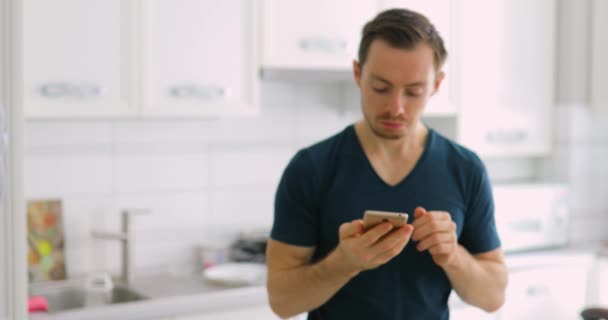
(320, 258)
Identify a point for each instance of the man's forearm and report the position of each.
(304, 288)
(479, 282)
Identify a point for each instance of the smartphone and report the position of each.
(374, 217)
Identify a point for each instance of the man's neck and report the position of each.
(396, 149)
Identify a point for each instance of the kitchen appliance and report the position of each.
(250, 246)
(531, 216)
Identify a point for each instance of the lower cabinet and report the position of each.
(459, 310)
(470, 313)
(599, 294)
(544, 287)
(254, 312)
(556, 291)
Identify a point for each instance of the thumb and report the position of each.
(349, 229)
(419, 212)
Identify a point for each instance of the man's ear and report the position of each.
(438, 80)
(357, 72)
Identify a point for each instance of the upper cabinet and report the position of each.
(507, 75)
(313, 34)
(78, 58)
(198, 58)
(128, 58)
(439, 12)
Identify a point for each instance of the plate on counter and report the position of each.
(236, 274)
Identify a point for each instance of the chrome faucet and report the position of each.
(126, 238)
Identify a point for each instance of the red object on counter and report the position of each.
(37, 303)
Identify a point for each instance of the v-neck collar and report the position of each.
(415, 169)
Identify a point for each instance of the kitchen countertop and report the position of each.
(168, 296)
(190, 294)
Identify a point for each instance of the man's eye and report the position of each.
(379, 89)
(414, 93)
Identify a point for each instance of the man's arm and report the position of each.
(479, 280)
(295, 285)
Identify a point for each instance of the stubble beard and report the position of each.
(382, 135)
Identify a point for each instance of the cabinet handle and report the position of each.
(506, 137)
(199, 92)
(64, 89)
(327, 45)
(55, 90)
(538, 290)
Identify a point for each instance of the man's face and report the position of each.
(395, 86)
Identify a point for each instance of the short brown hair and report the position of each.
(402, 28)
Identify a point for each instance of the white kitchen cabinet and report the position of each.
(313, 34)
(129, 58)
(78, 59)
(253, 312)
(199, 58)
(439, 12)
(459, 310)
(506, 81)
(555, 291)
(471, 313)
(601, 283)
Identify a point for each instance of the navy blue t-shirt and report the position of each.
(332, 182)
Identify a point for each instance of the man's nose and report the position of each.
(397, 103)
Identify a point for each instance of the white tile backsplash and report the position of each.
(160, 132)
(56, 176)
(167, 210)
(243, 208)
(582, 150)
(57, 132)
(205, 180)
(160, 172)
(246, 168)
(588, 126)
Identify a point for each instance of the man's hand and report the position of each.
(361, 249)
(436, 232)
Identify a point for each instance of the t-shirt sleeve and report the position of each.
(479, 232)
(296, 208)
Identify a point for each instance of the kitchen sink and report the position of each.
(66, 295)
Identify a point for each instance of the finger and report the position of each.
(434, 239)
(392, 251)
(372, 235)
(430, 222)
(419, 212)
(349, 229)
(421, 216)
(439, 249)
(391, 239)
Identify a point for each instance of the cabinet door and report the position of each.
(460, 310)
(313, 34)
(601, 282)
(256, 312)
(199, 58)
(77, 58)
(439, 12)
(507, 75)
(556, 292)
(470, 313)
